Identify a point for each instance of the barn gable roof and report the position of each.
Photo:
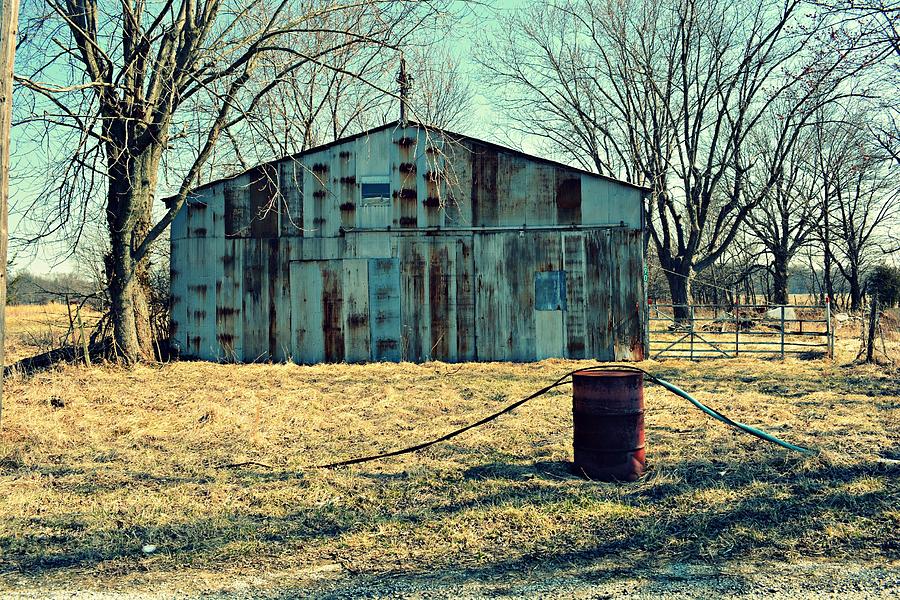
(444, 132)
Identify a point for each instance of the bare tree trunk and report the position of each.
(132, 185)
(680, 288)
(780, 278)
(9, 17)
(856, 293)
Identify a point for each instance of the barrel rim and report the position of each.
(610, 373)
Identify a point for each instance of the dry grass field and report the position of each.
(96, 464)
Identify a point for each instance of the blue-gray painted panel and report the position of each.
(384, 307)
(550, 290)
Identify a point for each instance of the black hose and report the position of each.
(562, 381)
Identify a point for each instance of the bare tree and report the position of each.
(668, 93)
(441, 94)
(788, 214)
(862, 199)
(140, 94)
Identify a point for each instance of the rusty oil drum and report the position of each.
(608, 417)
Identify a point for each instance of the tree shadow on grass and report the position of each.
(774, 505)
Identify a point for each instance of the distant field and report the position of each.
(37, 328)
(97, 463)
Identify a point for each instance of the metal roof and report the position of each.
(452, 134)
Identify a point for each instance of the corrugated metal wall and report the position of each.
(481, 254)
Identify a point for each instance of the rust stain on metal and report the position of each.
(456, 291)
(332, 311)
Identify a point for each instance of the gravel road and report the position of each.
(598, 580)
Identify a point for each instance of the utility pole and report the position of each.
(404, 80)
(9, 20)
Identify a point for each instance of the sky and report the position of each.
(47, 258)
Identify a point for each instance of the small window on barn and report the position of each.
(376, 190)
(550, 290)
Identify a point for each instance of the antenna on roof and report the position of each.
(404, 80)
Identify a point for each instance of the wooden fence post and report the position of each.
(9, 18)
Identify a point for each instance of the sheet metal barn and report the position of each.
(406, 244)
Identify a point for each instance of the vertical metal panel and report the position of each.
(429, 174)
(549, 334)
(345, 184)
(550, 290)
(229, 303)
(465, 300)
(198, 217)
(280, 298)
(512, 189)
(624, 205)
(568, 197)
(595, 202)
(236, 197)
(180, 274)
(178, 228)
(333, 317)
(320, 215)
(492, 298)
(200, 300)
(442, 314)
(384, 308)
(598, 318)
(307, 317)
(290, 187)
(540, 206)
(405, 195)
(458, 184)
(256, 301)
(264, 204)
(414, 309)
(627, 295)
(520, 270)
(355, 305)
(573, 264)
(484, 186)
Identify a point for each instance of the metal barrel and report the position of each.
(608, 418)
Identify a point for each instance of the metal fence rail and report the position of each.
(716, 331)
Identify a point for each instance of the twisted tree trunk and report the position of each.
(132, 187)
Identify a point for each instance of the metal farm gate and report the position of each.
(716, 331)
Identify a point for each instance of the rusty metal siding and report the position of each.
(628, 297)
(568, 198)
(413, 295)
(384, 309)
(465, 300)
(512, 189)
(355, 304)
(541, 203)
(484, 186)
(457, 184)
(290, 193)
(574, 266)
(446, 273)
(307, 315)
(229, 303)
(598, 317)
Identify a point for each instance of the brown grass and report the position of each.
(35, 328)
(130, 459)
